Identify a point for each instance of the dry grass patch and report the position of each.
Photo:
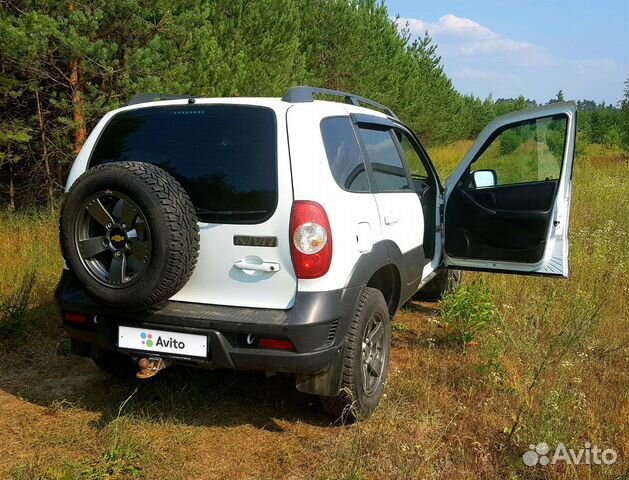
(552, 366)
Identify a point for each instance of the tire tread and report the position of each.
(180, 220)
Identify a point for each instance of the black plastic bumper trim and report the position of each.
(307, 325)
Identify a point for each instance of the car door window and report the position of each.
(344, 157)
(384, 157)
(525, 153)
(414, 162)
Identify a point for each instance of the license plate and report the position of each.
(162, 341)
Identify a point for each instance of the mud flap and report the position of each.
(328, 381)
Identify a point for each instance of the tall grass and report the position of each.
(29, 242)
(30, 265)
(446, 158)
(560, 353)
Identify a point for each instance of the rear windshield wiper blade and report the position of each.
(228, 212)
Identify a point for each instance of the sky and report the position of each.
(528, 47)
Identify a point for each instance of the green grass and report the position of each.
(29, 243)
(31, 264)
(559, 355)
(468, 311)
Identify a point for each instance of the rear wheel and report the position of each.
(365, 360)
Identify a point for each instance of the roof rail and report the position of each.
(155, 97)
(302, 94)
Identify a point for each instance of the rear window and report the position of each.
(343, 152)
(223, 155)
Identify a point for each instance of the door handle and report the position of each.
(257, 267)
(391, 219)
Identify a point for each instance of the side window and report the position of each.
(414, 162)
(384, 157)
(343, 152)
(524, 153)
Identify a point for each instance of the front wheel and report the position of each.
(365, 360)
(445, 281)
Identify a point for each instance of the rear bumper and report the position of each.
(316, 325)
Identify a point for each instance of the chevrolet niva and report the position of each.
(283, 235)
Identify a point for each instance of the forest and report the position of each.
(63, 64)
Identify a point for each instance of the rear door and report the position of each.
(399, 207)
(227, 157)
(507, 205)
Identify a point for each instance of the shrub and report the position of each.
(555, 141)
(467, 311)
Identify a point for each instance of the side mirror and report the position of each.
(484, 178)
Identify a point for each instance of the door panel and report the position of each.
(526, 196)
(499, 223)
(427, 193)
(399, 207)
(514, 218)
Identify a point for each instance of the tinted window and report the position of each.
(385, 160)
(411, 156)
(341, 147)
(526, 152)
(223, 155)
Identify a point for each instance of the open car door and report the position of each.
(507, 204)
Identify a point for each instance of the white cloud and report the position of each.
(482, 61)
(450, 25)
(467, 73)
(466, 38)
(602, 65)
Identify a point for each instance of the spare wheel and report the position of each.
(129, 233)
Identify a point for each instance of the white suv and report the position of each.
(284, 234)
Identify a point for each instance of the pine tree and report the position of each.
(66, 63)
(558, 98)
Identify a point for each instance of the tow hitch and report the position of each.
(149, 367)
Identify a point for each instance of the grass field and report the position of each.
(549, 362)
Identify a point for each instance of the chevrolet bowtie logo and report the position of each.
(117, 238)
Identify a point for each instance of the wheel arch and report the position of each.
(377, 269)
(387, 280)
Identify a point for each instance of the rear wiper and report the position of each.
(229, 212)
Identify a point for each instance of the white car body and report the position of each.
(358, 220)
(317, 221)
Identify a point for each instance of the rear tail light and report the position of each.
(74, 317)
(310, 239)
(276, 344)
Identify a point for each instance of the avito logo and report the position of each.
(147, 339)
(589, 455)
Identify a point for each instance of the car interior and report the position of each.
(501, 209)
